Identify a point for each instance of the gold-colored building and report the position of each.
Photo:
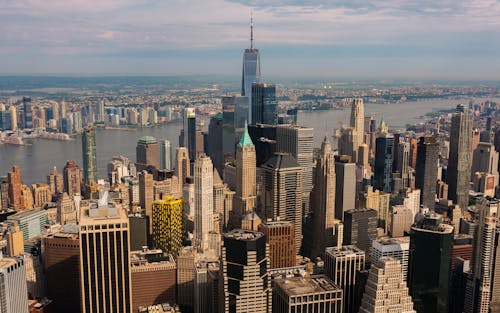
(167, 224)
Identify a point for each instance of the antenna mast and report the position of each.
(251, 30)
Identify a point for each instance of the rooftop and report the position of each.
(244, 235)
(299, 286)
(147, 139)
(7, 262)
(350, 250)
(281, 161)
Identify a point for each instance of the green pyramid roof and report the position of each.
(245, 139)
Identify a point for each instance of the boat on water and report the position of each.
(14, 140)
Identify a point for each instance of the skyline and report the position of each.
(312, 38)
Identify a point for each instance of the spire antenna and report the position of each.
(251, 30)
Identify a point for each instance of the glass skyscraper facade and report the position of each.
(264, 104)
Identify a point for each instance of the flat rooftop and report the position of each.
(298, 286)
(7, 262)
(244, 235)
(344, 251)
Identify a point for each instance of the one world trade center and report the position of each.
(251, 71)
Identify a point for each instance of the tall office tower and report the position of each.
(264, 104)
(72, 176)
(61, 255)
(345, 142)
(28, 112)
(15, 186)
(55, 181)
(485, 159)
(13, 289)
(187, 138)
(146, 195)
(345, 187)
(147, 152)
(167, 220)
(66, 213)
(386, 290)
(182, 168)
(430, 243)
(383, 162)
(4, 118)
(280, 237)
(479, 289)
(426, 171)
(459, 165)
(250, 73)
(153, 279)
(283, 192)
(229, 111)
(413, 152)
(104, 257)
(357, 124)
(219, 201)
(398, 248)
(245, 196)
(306, 294)
(401, 220)
(206, 287)
(41, 195)
(13, 117)
(89, 155)
(402, 163)
(185, 278)
(165, 155)
(299, 142)
(204, 203)
(360, 228)
(342, 266)
(100, 113)
(323, 200)
(245, 273)
(214, 141)
(264, 139)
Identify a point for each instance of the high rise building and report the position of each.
(402, 163)
(146, 195)
(360, 228)
(459, 165)
(383, 162)
(485, 160)
(206, 287)
(299, 142)
(264, 104)
(15, 185)
(66, 213)
(246, 285)
(306, 294)
(28, 112)
(187, 138)
(104, 257)
(41, 195)
(250, 72)
(167, 220)
(397, 248)
(61, 257)
(13, 289)
(342, 266)
(165, 155)
(147, 152)
(430, 243)
(386, 290)
(264, 139)
(283, 192)
(204, 203)
(13, 117)
(245, 196)
(214, 141)
(345, 187)
(426, 171)
(280, 237)
(72, 177)
(182, 167)
(31, 222)
(55, 181)
(323, 200)
(357, 124)
(89, 155)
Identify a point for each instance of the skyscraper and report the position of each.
(165, 155)
(15, 185)
(246, 193)
(280, 236)
(250, 72)
(426, 171)
(28, 112)
(459, 165)
(104, 257)
(147, 152)
(214, 141)
(383, 162)
(89, 155)
(182, 168)
(323, 200)
(167, 220)
(299, 142)
(345, 187)
(402, 163)
(146, 195)
(430, 243)
(283, 191)
(357, 124)
(385, 290)
(55, 181)
(360, 228)
(245, 277)
(263, 104)
(204, 203)
(72, 176)
(13, 289)
(397, 248)
(188, 132)
(342, 266)
(485, 159)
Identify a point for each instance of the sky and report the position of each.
(338, 39)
